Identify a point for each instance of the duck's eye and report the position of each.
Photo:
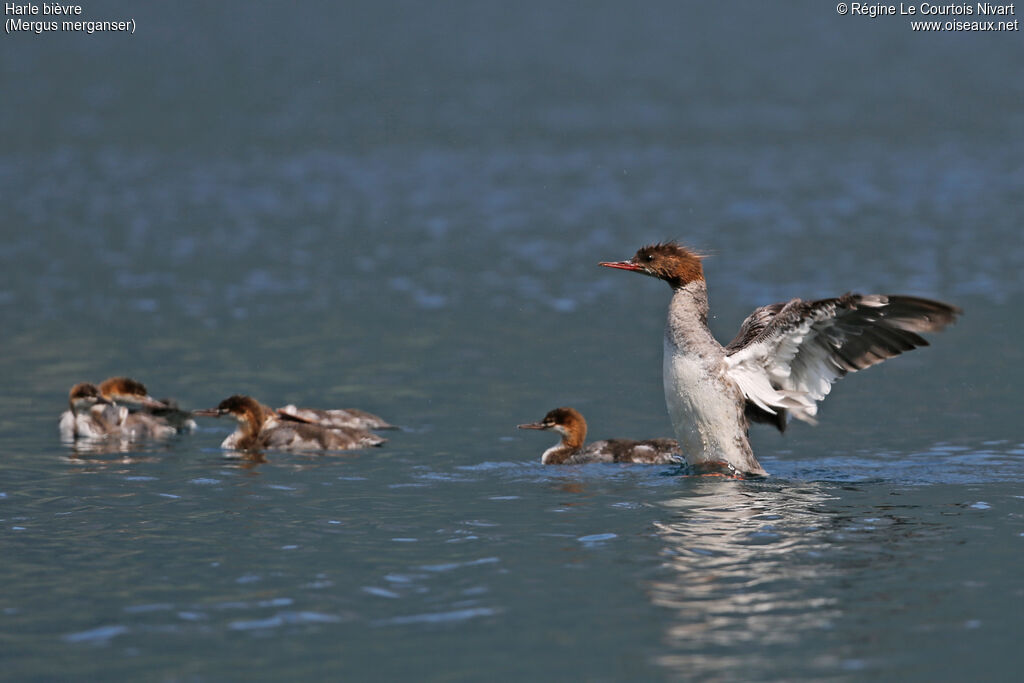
(649, 258)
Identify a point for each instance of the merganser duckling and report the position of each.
(148, 417)
(90, 415)
(570, 450)
(333, 419)
(259, 427)
(783, 361)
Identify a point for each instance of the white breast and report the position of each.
(67, 425)
(230, 442)
(703, 408)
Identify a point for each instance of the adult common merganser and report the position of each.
(260, 427)
(148, 417)
(90, 415)
(570, 450)
(782, 362)
(333, 419)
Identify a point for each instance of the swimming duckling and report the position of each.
(570, 450)
(148, 417)
(90, 415)
(260, 427)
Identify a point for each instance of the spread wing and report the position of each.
(786, 356)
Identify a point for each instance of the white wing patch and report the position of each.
(787, 356)
(765, 372)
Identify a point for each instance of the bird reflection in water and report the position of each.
(744, 574)
(92, 453)
(244, 460)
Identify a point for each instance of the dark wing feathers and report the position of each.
(753, 326)
(786, 356)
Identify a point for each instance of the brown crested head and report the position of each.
(128, 390)
(243, 408)
(85, 394)
(567, 421)
(84, 390)
(668, 261)
(125, 386)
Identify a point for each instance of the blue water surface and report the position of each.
(400, 207)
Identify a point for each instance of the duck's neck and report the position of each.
(572, 441)
(249, 427)
(687, 325)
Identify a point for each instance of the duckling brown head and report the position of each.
(248, 411)
(566, 421)
(129, 392)
(84, 396)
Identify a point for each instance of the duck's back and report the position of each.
(336, 418)
(647, 452)
(310, 437)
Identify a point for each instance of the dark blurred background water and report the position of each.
(400, 206)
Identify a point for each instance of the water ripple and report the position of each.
(283, 619)
(98, 636)
(438, 617)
